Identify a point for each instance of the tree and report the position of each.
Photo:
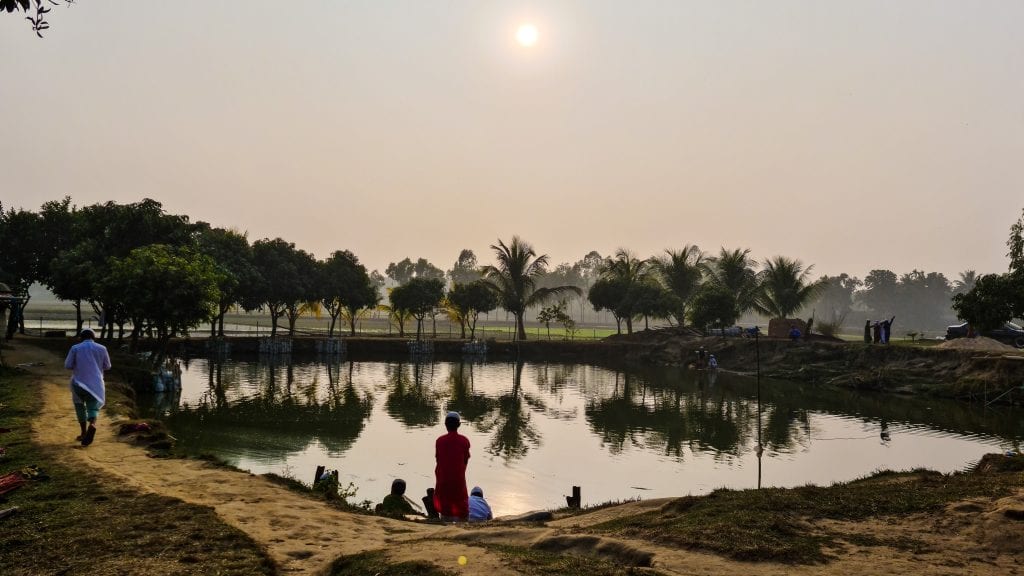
(20, 243)
(401, 272)
(965, 281)
(555, 313)
(650, 300)
(514, 279)
(681, 271)
(588, 269)
(111, 230)
(734, 271)
(233, 257)
(426, 270)
(406, 270)
(469, 301)
(169, 289)
(994, 300)
(836, 294)
(713, 307)
(630, 271)
(465, 269)
(880, 291)
(38, 7)
(608, 294)
(997, 298)
(923, 299)
(347, 289)
(1016, 245)
(286, 277)
(785, 287)
(418, 297)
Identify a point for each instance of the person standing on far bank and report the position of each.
(87, 361)
(451, 500)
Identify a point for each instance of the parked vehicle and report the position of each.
(1009, 333)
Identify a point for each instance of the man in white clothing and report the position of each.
(87, 361)
(479, 509)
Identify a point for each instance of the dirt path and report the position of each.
(304, 535)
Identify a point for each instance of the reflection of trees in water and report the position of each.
(554, 379)
(472, 405)
(409, 401)
(650, 413)
(274, 417)
(513, 434)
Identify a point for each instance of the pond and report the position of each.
(538, 429)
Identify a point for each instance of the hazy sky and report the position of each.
(851, 135)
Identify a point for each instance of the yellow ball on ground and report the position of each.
(463, 560)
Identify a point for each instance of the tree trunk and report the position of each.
(330, 328)
(520, 326)
(629, 324)
(78, 317)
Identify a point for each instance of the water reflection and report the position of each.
(277, 416)
(510, 427)
(537, 429)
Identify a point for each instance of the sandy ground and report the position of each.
(304, 535)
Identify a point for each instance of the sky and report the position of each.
(851, 135)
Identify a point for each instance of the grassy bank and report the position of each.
(780, 525)
(69, 521)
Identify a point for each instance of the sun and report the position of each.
(527, 35)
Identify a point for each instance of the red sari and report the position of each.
(450, 495)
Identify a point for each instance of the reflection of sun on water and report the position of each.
(527, 35)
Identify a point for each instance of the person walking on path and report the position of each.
(479, 509)
(87, 361)
(451, 451)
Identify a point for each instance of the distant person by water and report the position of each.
(87, 360)
(794, 333)
(867, 331)
(876, 332)
(713, 362)
(451, 451)
(479, 509)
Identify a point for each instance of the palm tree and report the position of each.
(681, 272)
(967, 280)
(514, 279)
(785, 287)
(734, 271)
(628, 270)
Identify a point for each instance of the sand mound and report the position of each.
(979, 343)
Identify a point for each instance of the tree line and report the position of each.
(134, 264)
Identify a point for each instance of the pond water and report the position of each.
(536, 430)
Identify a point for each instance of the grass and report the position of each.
(375, 563)
(525, 561)
(772, 524)
(75, 522)
(533, 562)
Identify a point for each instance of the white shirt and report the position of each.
(87, 362)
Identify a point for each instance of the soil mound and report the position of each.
(979, 343)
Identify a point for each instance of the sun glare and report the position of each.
(527, 35)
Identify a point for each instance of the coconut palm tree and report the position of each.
(734, 271)
(514, 279)
(785, 287)
(681, 272)
(628, 271)
(966, 281)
